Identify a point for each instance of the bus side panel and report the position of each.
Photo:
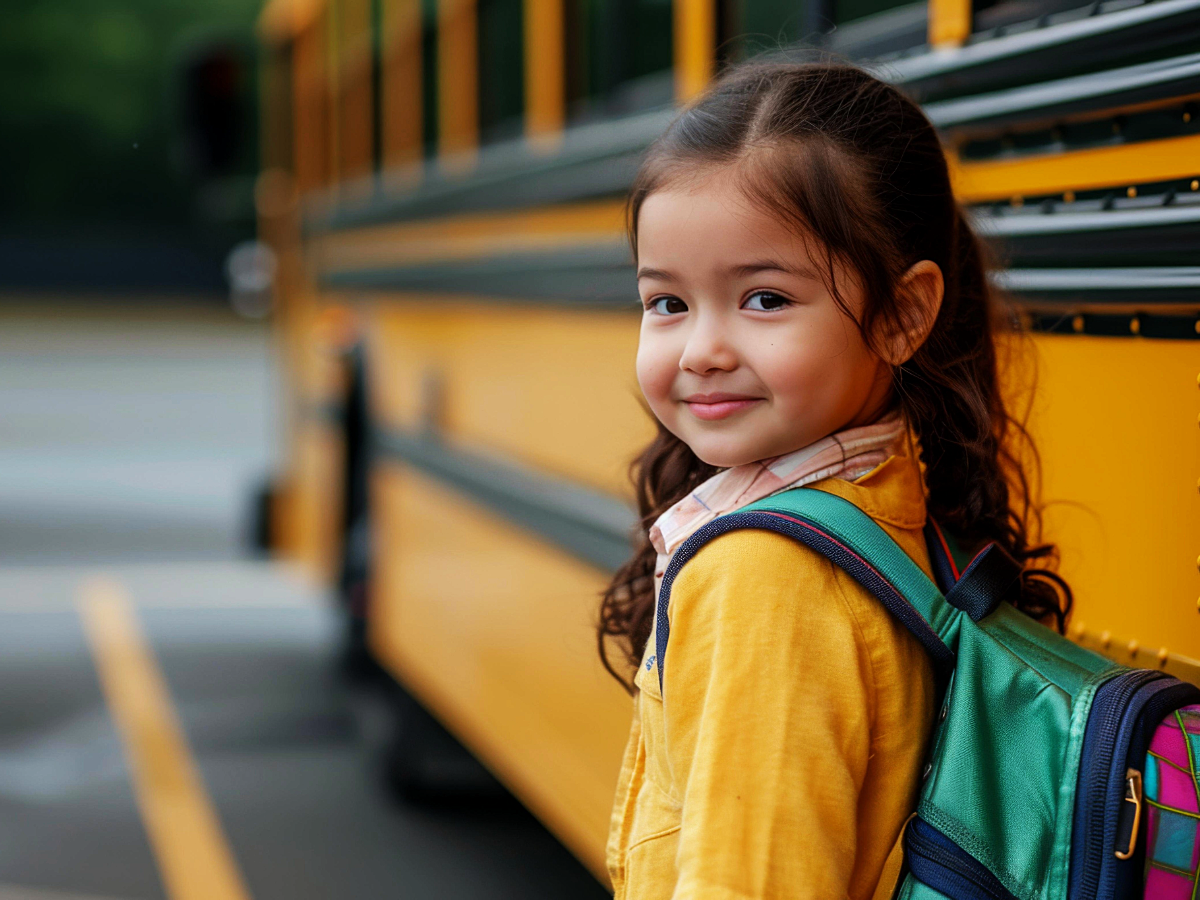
(549, 386)
(1115, 420)
(495, 631)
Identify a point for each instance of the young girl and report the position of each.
(816, 314)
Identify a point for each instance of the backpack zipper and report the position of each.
(1094, 782)
(938, 862)
(1131, 699)
(1157, 700)
(1122, 704)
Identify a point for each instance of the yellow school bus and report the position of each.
(443, 185)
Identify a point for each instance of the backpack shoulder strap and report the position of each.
(851, 540)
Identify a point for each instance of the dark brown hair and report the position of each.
(857, 169)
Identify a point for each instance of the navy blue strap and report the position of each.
(992, 578)
(945, 571)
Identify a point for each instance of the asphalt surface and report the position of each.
(130, 442)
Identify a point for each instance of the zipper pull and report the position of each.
(1131, 814)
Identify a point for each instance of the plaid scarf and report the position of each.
(847, 454)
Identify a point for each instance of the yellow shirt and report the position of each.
(788, 753)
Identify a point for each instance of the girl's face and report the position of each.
(743, 353)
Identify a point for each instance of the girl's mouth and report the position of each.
(712, 408)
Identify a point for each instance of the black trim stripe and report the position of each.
(593, 526)
(600, 274)
(1147, 82)
(1145, 285)
(1181, 327)
(593, 161)
(1039, 54)
(1039, 225)
(1147, 240)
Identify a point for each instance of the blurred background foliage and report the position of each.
(130, 130)
(128, 141)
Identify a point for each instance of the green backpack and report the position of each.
(1032, 788)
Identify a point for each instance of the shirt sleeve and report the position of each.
(768, 699)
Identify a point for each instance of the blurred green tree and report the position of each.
(97, 119)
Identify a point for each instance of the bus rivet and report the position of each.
(1162, 656)
(1133, 648)
(1077, 324)
(1105, 639)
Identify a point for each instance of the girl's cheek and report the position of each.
(655, 372)
(792, 368)
(806, 382)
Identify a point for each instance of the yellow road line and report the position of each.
(194, 858)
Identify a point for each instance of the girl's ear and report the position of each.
(919, 291)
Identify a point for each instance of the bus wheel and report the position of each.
(424, 763)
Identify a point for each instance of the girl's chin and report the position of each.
(724, 457)
(726, 452)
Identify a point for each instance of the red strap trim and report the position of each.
(834, 540)
(946, 549)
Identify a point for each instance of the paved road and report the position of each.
(130, 431)
(127, 443)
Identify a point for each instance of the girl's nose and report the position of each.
(708, 349)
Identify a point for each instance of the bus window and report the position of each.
(749, 27)
(501, 70)
(757, 26)
(429, 79)
(619, 56)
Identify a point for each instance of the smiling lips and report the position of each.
(718, 405)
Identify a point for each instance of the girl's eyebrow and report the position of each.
(742, 271)
(660, 274)
(769, 265)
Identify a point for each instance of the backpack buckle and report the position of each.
(1133, 795)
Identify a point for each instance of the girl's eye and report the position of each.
(667, 306)
(766, 301)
